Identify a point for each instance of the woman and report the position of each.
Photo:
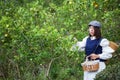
(102, 52)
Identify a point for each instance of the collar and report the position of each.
(93, 38)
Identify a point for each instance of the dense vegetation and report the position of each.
(36, 37)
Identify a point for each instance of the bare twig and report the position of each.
(50, 66)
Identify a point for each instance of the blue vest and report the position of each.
(91, 47)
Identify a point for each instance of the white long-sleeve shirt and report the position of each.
(106, 50)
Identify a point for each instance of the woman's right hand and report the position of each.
(93, 56)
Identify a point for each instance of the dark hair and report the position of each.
(97, 33)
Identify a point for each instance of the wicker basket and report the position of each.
(113, 45)
(90, 65)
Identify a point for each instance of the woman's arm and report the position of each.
(80, 45)
(106, 50)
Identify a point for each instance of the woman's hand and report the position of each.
(94, 56)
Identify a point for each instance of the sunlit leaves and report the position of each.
(36, 35)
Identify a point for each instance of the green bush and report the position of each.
(36, 36)
(111, 73)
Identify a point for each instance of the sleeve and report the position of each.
(80, 45)
(106, 50)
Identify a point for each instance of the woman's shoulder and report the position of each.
(85, 38)
(83, 42)
(104, 42)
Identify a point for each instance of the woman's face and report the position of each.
(91, 30)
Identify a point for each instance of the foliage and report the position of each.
(36, 36)
(111, 73)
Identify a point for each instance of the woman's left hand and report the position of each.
(94, 56)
